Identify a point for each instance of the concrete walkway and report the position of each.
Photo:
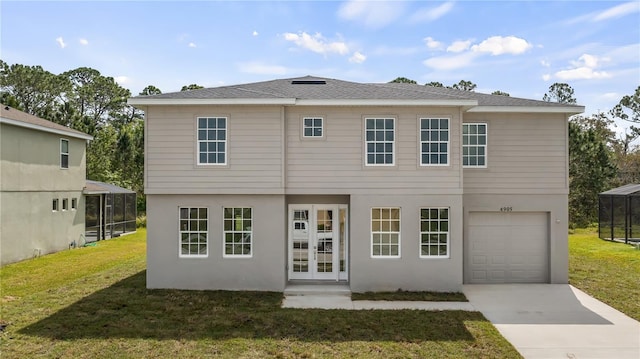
(539, 320)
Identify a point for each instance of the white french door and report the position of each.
(318, 242)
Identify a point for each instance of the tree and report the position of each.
(628, 108)
(191, 87)
(434, 84)
(464, 86)
(561, 93)
(403, 80)
(150, 90)
(500, 93)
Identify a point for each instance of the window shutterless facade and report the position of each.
(434, 141)
(64, 153)
(434, 232)
(380, 141)
(385, 232)
(313, 127)
(193, 232)
(212, 140)
(474, 145)
(238, 232)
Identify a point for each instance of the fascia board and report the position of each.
(32, 126)
(574, 110)
(201, 101)
(384, 102)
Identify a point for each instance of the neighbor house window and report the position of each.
(55, 205)
(474, 145)
(74, 203)
(65, 204)
(434, 232)
(212, 140)
(64, 153)
(385, 232)
(434, 141)
(380, 141)
(312, 127)
(193, 232)
(238, 232)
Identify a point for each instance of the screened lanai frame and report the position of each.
(109, 211)
(619, 214)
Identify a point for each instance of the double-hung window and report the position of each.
(380, 141)
(474, 145)
(193, 232)
(434, 141)
(238, 233)
(64, 153)
(312, 127)
(385, 232)
(434, 232)
(212, 140)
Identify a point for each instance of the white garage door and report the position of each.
(507, 248)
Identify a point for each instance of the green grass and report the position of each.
(609, 271)
(411, 296)
(92, 303)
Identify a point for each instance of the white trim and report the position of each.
(208, 231)
(381, 256)
(32, 126)
(226, 141)
(135, 101)
(535, 109)
(322, 127)
(215, 101)
(486, 145)
(420, 142)
(68, 153)
(421, 232)
(233, 231)
(393, 143)
(383, 102)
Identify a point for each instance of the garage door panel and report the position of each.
(507, 247)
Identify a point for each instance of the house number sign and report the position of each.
(506, 209)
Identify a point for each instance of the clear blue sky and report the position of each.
(519, 47)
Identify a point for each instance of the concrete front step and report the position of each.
(317, 289)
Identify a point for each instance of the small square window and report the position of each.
(312, 127)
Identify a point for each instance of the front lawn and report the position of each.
(608, 271)
(92, 302)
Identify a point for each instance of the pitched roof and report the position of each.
(629, 189)
(12, 116)
(95, 187)
(311, 90)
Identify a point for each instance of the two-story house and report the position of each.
(42, 174)
(381, 186)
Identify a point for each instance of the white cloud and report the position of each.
(371, 13)
(254, 33)
(452, 62)
(84, 42)
(431, 14)
(357, 58)
(60, 42)
(618, 11)
(498, 45)
(545, 63)
(584, 69)
(459, 46)
(261, 69)
(546, 77)
(317, 43)
(121, 80)
(587, 60)
(191, 44)
(432, 44)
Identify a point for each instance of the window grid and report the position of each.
(193, 232)
(474, 145)
(380, 141)
(312, 127)
(238, 233)
(385, 232)
(212, 140)
(434, 232)
(434, 141)
(64, 153)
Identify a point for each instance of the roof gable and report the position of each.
(12, 116)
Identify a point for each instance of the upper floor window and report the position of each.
(193, 232)
(434, 232)
(64, 153)
(212, 140)
(312, 127)
(380, 141)
(474, 145)
(238, 233)
(385, 232)
(434, 141)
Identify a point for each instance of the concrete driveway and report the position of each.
(556, 321)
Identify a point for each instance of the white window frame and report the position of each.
(437, 232)
(383, 142)
(429, 142)
(64, 154)
(215, 141)
(380, 231)
(55, 205)
(189, 231)
(65, 204)
(233, 231)
(313, 127)
(476, 146)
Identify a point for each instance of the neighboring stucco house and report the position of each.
(381, 186)
(42, 174)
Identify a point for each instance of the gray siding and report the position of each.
(527, 153)
(254, 151)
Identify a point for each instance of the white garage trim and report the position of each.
(510, 247)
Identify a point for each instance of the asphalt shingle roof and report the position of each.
(25, 118)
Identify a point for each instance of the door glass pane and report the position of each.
(324, 233)
(300, 248)
(343, 234)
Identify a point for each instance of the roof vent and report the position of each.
(308, 82)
